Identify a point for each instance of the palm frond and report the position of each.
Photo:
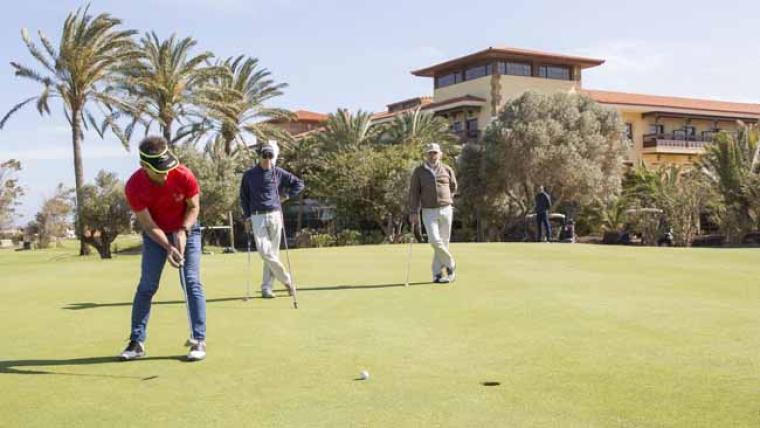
(42, 101)
(35, 51)
(24, 71)
(15, 109)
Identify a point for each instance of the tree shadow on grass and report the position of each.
(93, 305)
(13, 366)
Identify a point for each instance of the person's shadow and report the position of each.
(19, 366)
(93, 305)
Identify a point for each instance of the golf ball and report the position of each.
(364, 375)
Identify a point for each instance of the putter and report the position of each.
(409, 253)
(248, 277)
(183, 286)
(409, 258)
(290, 270)
(190, 341)
(285, 236)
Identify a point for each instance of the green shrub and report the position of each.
(348, 237)
(319, 240)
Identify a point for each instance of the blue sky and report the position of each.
(357, 54)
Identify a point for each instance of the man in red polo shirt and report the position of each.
(165, 198)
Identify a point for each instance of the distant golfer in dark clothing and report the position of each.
(543, 204)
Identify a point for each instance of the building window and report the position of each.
(691, 131)
(456, 127)
(477, 72)
(558, 72)
(657, 129)
(515, 68)
(472, 127)
(448, 79)
(629, 131)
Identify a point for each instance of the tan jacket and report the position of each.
(432, 189)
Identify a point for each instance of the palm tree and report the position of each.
(163, 83)
(344, 130)
(417, 128)
(611, 214)
(731, 164)
(90, 54)
(235, 104)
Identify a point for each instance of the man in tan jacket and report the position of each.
(432, 188)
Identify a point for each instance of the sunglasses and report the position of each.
(267, 155)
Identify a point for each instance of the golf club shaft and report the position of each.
(248, 276)
(408, 263)
(285, 237)
(409, 252)
(290, 269)
(183, 286)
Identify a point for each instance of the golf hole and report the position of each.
(490, 383)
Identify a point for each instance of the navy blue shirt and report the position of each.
(543, 202)
(258, 192)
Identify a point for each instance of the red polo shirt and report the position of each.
(165, 203)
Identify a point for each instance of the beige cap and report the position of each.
(432, 147)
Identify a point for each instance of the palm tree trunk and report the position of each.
(227, 146)
(167, 131)
(76, 134)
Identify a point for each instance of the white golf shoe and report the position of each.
(197, 351)
(133, 351)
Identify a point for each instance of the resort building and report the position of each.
(470, 90)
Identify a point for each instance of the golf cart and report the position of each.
(647, 224)
(563, 230)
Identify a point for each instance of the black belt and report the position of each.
(259, 212)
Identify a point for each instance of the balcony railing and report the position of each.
(680, 140)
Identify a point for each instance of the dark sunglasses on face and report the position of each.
(267, 155)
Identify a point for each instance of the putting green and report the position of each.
(574, 335)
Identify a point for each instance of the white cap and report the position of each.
(432, 147)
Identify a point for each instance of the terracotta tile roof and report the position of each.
(310, 116)
(623, 98)
(507, 53)
(304, 116)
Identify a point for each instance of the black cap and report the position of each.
(161, 163)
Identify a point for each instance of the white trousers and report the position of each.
(267, 232)
(438, 225)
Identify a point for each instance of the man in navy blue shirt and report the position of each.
(543, 205)
(262, 190)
